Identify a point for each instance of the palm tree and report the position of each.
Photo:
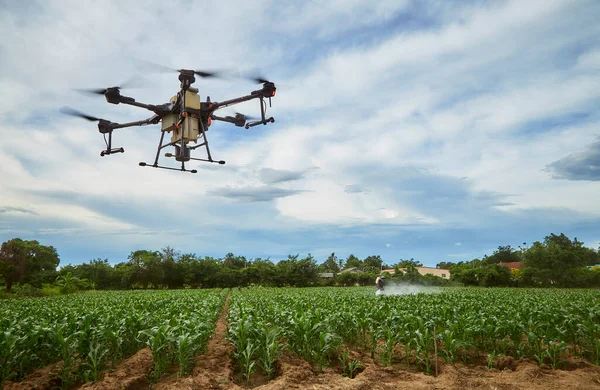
(68, 282)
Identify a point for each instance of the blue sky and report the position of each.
(427, 129)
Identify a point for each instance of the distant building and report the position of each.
(327, 275)
(351, 269)
(442, 273)
(512, 265)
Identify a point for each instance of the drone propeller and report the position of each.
(201, 73)
(253, 75)
(134, 82)
(73, 112)
(246, 117)
(260, 80)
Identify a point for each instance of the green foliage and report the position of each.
(352, 262)
(331, 264)
(94, 331)
(319, 324)
(504, 254)
(445, 265)
(27, 262)
(409, 263)
(558, 261)
(27, 290)
(354, 279)
(349, 366)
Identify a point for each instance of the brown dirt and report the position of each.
(42, 379)
(131, 374)
(213, 369)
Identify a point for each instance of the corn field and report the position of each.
(89, 333)
(464, 325)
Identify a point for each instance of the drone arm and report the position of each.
(227, 103)
(113, 95)
(150, 121)
(262, 122)
(132, 102)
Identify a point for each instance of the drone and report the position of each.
(185, 117)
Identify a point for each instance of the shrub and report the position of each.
(27, 290)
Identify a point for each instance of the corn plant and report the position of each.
(184, 353)
(349, 366)
(95, 362)
(67, 346)
(9, 354)
(328, 342)
(390, 340)
(270, 349)
(554, 351)
(423, 342)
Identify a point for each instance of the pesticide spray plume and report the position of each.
(400, 288)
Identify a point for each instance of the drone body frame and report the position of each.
(185, 117)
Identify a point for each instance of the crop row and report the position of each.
(463, 325)
(91, 332)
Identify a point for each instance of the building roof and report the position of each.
(391, 271)
(512, 265)
(352, 269)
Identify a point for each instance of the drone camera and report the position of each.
(182, 153)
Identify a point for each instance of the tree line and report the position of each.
(557, 261)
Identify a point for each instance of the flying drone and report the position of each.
(185, 117)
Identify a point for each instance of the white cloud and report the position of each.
(475, 94)
(457, 244)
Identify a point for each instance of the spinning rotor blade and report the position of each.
(73, 112)
(258, 79)
(134, 82)
(246, 117)
(201, 73)
(253, 75)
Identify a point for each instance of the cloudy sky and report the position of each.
(427, 129)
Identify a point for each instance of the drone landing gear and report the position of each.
(104, 128)
(182, 152)
(111, 151)
(143, 164)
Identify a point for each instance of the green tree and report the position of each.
(353, 261)
(330, 265)
(411, 274)
(504, 254)
(173, 271)
(234, 262)
(146, 268)
(408, 263)
(445, 265)
(266, 271)
(372, 264)
(99, 272)
(69, 283)
(555, 262)
(24, 261)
